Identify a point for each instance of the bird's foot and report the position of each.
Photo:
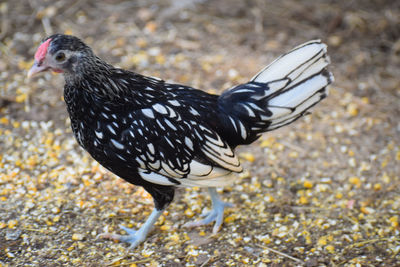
(215, 215)
(134, 238)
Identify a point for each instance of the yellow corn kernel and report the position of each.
(4, 120)
(394, 220)
(352, 109)
(355, 181)
(322, 241)
(303, 200)
(248, 156)
(308, 184)
(377, 186)
(330, 248)
(78, 237)
(230, 218)
(12, 223)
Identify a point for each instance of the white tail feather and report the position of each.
(298, 78)
(280, 93)
(288, 63)
(292, 98)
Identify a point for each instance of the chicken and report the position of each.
(161, 135)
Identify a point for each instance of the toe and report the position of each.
(207, 220)
(130, 231)
(192, 224)
(218, 223)
(105, 236)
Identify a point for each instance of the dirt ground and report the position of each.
(324, 191)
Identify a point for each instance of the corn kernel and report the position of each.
(12, 223)
(377, 186)
(322, 241)
(367, 210)
(384, 163)
(140, 42)
(56, 218)
(394, 220)
(174, 237)
(230, 218)
(385, 178)
(248, 156)
(308, 240)
(355, 181)
(308, 184)
(365, 100)
(330, 248)
(4, 120)
(189, 213)
(269, 198)
(78, 237)
(68, 32)
(246, 260)
(151, 26)
(303, 200)
(267, 142)
(352, 109)
(21, 98)
(55, 210)
(147, 253)
(165, 227)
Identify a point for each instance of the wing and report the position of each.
(179, 149)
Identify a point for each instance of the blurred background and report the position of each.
(324, 190)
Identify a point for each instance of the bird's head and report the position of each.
(60, 53)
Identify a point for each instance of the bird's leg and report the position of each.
(134, 238)
(216, 214)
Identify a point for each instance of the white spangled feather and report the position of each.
(219, 152)
(202, 176)
(297, 78)
(293, 98)
(289, 62)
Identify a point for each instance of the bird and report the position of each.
(163, 136)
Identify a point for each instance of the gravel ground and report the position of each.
(323, 191)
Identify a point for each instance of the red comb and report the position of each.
(42, 50)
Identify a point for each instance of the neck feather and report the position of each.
(97, 77)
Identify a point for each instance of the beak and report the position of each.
(36, 68)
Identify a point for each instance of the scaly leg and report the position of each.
(216, 214)
(134, 238)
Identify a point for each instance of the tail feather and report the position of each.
(295, 62)
(279, 94)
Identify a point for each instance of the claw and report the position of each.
(216, 214)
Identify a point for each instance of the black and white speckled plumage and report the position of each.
(160, 135)
(151, 128)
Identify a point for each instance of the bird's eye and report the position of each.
(60, 56)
